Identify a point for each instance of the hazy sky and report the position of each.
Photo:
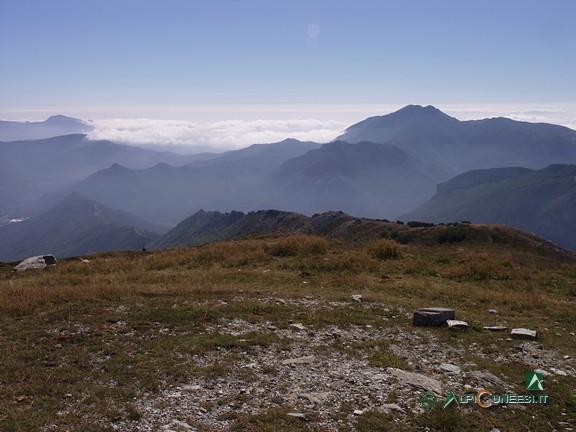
(214, 60)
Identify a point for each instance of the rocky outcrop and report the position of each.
(36, 262)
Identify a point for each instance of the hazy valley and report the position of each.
(414, 164)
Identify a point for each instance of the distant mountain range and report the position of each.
(382, 167)
(76, 226)
(541, 201)
(436, 138)
(31, 169)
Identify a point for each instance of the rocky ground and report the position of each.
(327, 378)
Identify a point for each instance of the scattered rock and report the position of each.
(315, 398)
(458, 325)
(450, 368)
(192, 388)
(300, 416)
(496, 328)
(358, 412)
(357, 298)
(492, 311)
(379, 377)
(299, 360)
(417, 380)
(487, 377)
(558, 371)
(523, 333)
(543, 372)
(432, 317)
(392, 407)
(36, 262)
(298, 326)
(84, 260)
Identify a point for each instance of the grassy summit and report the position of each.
(202, 338)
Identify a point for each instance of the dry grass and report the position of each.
(92, 329)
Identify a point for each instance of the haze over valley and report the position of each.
(394, 166)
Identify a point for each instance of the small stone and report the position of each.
(523, 333)
(378, 377)
(458, 325)
(299, 360)
(494, 430)
(543, 372)
(358, 412)
(450, 368)
(392, 407)
(357, 298)
(558, 371)
(191, 388)
(492, 311)
(298, 326)
(297, 415)
(566, 357)
(315, 398)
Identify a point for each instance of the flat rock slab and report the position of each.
(523, 333)
(432, 317)
(36, 262)
(450, 368)
(458, 325)
(417, 380)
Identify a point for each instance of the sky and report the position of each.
(311, 67)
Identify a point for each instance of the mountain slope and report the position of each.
(54, 126)
(30, 169)
(541, 201)
(75, 226)
(205, 227)
(436, 138)
(364, 179)
(166, 194)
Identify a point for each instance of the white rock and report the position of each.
(493, 311)
(301, 416)
(36, 262)
(558, 371)
(543, 372)
(456, 324)
(523, 333)
(392, 407)
(357, 298)
(298, 326)
(450, 368)
(358, 412)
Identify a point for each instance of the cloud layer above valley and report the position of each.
(219, 136)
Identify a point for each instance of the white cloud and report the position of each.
(220, 135)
